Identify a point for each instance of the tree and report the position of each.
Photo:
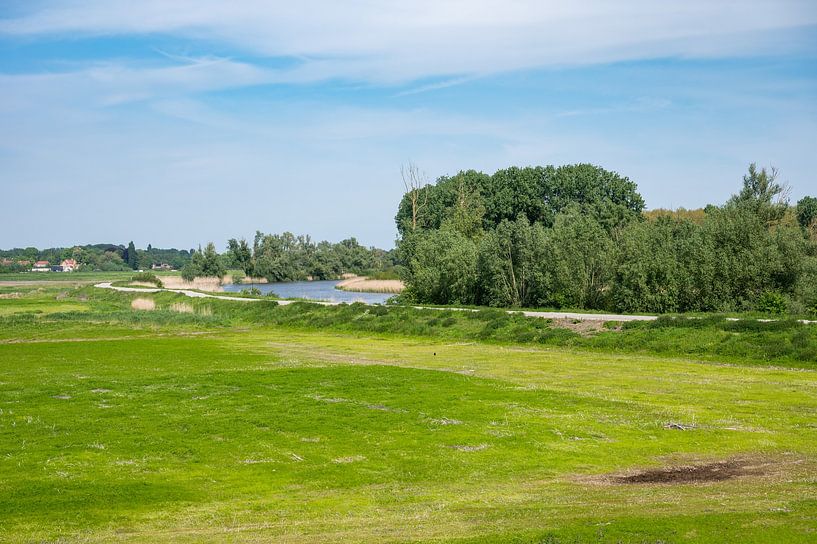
(242, 255)
(762, 195)
(509, 266)
(469, 210)
(651, 265)
(205, 263)
(443, 268)
(807, 211)
(579, 264)
(212, 266)
(131, 256)
(415, 183)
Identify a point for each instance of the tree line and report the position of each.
(577, 236)
(287, 257)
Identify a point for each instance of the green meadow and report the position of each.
(211, 420)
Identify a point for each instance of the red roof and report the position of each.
(69, 262)
(42, 263)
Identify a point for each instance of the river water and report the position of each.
(313, 290)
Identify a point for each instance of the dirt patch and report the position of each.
(585, 328)
(10, 295)
(710, 472)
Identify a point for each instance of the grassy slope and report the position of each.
(186, 427)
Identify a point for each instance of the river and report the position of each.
(313, 290)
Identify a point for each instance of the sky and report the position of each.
(176, 123)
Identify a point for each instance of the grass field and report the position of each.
(257, 423)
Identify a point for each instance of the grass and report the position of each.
(256, 422)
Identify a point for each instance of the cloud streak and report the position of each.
(399, 42)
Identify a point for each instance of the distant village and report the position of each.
(92, 257)
(67, 265)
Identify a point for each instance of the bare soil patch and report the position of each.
(585, 328)
(709, 472)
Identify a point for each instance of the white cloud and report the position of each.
(388, 42)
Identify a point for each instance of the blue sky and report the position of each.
(176, 123)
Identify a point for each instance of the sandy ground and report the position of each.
(362, 284)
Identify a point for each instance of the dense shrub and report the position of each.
(573, 237)
(771, 302)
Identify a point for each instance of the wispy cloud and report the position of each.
(436, 86)
(641, 104)
(393, 42)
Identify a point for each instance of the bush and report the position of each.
(771, 302)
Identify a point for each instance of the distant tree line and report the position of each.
(577, 236)
(103, 257)
(287, 257)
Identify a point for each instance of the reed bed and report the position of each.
(143, 304)
(362, 284)
(202, 284)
